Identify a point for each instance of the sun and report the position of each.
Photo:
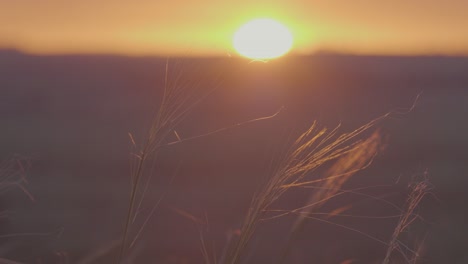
(262, 39)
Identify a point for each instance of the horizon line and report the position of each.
(324, 52)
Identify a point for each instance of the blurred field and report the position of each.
(71, 115)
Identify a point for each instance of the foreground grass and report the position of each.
(342, 153)
(317, 146)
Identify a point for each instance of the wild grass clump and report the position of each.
(351, 152)
(178, 98)
(312, 149)
(418, 189)
(330, 184)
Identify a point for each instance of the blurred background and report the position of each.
(69, 116)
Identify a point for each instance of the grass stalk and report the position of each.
(176, 103)
(312, 149)
(419, 189)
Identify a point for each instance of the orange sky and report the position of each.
(205, 27)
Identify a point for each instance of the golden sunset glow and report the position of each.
(206, 27)
(262, 39)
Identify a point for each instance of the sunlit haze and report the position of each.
(206, 27)
(262, 39)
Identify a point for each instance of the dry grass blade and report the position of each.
(418, 190)
(333, 180)
(310, 150)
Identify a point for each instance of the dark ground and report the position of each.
(69, 116)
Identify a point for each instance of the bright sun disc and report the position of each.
(262, 39)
